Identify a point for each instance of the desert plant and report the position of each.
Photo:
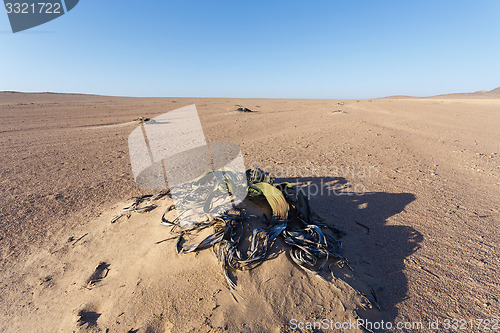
(293, 219)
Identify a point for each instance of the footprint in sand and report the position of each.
(100, 272)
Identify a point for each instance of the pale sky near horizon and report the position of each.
(271, 49)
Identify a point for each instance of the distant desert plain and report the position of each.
(418, 201)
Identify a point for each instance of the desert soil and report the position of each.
(417, 188)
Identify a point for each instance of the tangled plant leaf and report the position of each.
(293, 219)
(243, 109)
(142, 119)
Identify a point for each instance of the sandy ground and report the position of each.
(419, 207)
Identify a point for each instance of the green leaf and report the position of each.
(258, 176)
(288, 191)
(273, 196)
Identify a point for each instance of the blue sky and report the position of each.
(283, 49)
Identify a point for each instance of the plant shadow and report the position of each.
(374, 249)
